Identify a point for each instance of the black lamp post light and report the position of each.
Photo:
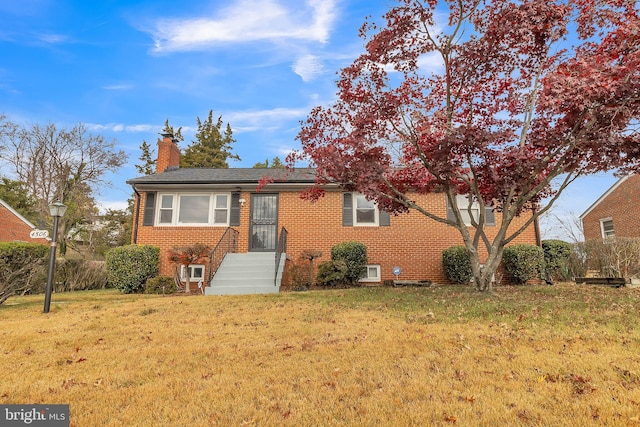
(57, 210)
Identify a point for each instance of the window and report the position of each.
(463, 204)
(193, 209)
(606, 227)
(366, 212)
(166, 209)
(221, 212)
(473, 211)
(196, 272)
(360, 212)
(373, 274)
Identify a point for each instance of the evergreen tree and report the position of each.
(212, 148)
(17, 195)
(276, 163)
(148, 162)
(168, 130)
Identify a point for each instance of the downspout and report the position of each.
(134, 238)
(536, 228)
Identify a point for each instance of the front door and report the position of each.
(264, 222)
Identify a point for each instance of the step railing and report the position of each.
(228, 243)
(280, 249)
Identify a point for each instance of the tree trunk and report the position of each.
(483, 274)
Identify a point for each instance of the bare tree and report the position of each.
(67, 165)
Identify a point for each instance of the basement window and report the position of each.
(196, 272)
(373, 274)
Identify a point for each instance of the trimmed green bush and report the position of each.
(332, 273)
(556, 258)
(354, 255)
(456, 264)
(155, 285)
(129, 267)
(22, 268)
(523, 262)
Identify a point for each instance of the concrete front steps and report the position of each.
(247, 273)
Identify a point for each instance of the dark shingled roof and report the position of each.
(226, 176)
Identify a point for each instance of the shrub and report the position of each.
(332, 273)
(354, 255)
(156, 284)
(22, 268)
(456, 264)
(619, 257)
(129, 267)
(523, 262)
(556, 259)
(81, 274)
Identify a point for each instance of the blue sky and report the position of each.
(123, 67)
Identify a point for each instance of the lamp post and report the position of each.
(57, 210)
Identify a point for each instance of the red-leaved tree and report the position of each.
(188, 255)
(524, 97)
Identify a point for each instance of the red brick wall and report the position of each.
(412, 242)
(168, 154)
(14, 229)
(621, 205)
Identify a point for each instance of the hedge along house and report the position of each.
(263, 233)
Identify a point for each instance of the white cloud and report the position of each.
(247, 21)
(103, 205)
(120, 127)
(122, 86)
(53, 38)
(245, 121)
(308, 67)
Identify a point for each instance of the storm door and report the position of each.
(264, 222)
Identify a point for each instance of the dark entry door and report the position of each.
(264, 222)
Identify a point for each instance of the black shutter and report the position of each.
(385, 219)
(450, 215)
(234, 217)
(489, 215)
(149, 208)
(347, 209)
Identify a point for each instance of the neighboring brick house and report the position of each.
(177, 207)
(15, 227)
(615, 213)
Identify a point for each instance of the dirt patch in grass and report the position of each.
(445, 355)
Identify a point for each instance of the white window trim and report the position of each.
(602, 232)
(175, 210)
(192, 267)
(372, 279)
(375, 223)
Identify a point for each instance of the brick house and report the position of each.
(178, 207)
(615, 213)
(15, 227)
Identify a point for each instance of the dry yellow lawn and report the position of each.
(539, 356)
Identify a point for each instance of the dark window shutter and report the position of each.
(347, 209)
(489, 215)
(385, 219)
(234, 217)
(450, 215)
(149, 208)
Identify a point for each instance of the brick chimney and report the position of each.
(168, 154)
